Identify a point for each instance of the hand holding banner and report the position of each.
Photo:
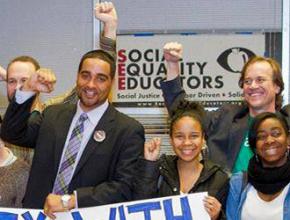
(186, 207)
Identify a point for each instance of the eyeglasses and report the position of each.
(259, 80)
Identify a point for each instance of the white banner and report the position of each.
(210, 67)
(183, 207)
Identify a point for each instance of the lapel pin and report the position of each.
(99, 135)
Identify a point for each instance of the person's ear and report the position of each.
(277, 89)
(288, 142)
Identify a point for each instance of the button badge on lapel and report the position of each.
(99, 135)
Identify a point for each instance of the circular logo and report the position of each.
(99, 135)
(233, 59)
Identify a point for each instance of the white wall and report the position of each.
(58, 32)
(55, 32)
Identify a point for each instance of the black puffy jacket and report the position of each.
(160, 178)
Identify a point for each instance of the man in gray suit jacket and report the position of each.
(111, 142)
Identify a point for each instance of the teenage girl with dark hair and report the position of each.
(186, 171)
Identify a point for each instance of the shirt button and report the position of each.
(174, 189)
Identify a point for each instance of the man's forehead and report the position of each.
(19, 64)
(96, 61)
(259, 68)
(18, 68)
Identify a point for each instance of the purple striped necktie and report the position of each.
(67, 164)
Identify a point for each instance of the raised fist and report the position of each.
(152, 149)
(42, 80)
(105, 12)
(172, 51)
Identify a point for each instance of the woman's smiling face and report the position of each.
(187, 138)
(272, 143)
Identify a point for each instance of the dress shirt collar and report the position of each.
(94, 115)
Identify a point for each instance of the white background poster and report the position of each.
(210, 67)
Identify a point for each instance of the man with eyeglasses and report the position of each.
(227, 127)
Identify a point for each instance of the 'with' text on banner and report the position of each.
(183, 207)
